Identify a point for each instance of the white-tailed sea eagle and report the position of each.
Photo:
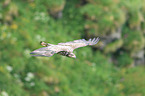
(65, 49)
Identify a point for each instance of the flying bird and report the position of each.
(65, 49)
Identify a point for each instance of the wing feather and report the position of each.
(80, 43)
(43, 52)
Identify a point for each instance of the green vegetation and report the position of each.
(134, 40)
(106, 69)
(124, 60)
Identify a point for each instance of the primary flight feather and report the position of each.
(65, 49)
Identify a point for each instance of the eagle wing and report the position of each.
(44, 51)
(80, 43)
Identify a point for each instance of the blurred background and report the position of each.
(113, 67)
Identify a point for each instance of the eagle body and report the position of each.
(58, 48)
(65, 49)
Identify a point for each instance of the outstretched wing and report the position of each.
(80, 43)
(43, 52)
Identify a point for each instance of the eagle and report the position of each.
(65, 49)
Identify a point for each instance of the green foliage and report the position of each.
(135, 14)
(124, 60)
(133, 40)
(113, 46)
(104, 19)
(55, 2)
(53, 6)
(129, 77)
(23, 24)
